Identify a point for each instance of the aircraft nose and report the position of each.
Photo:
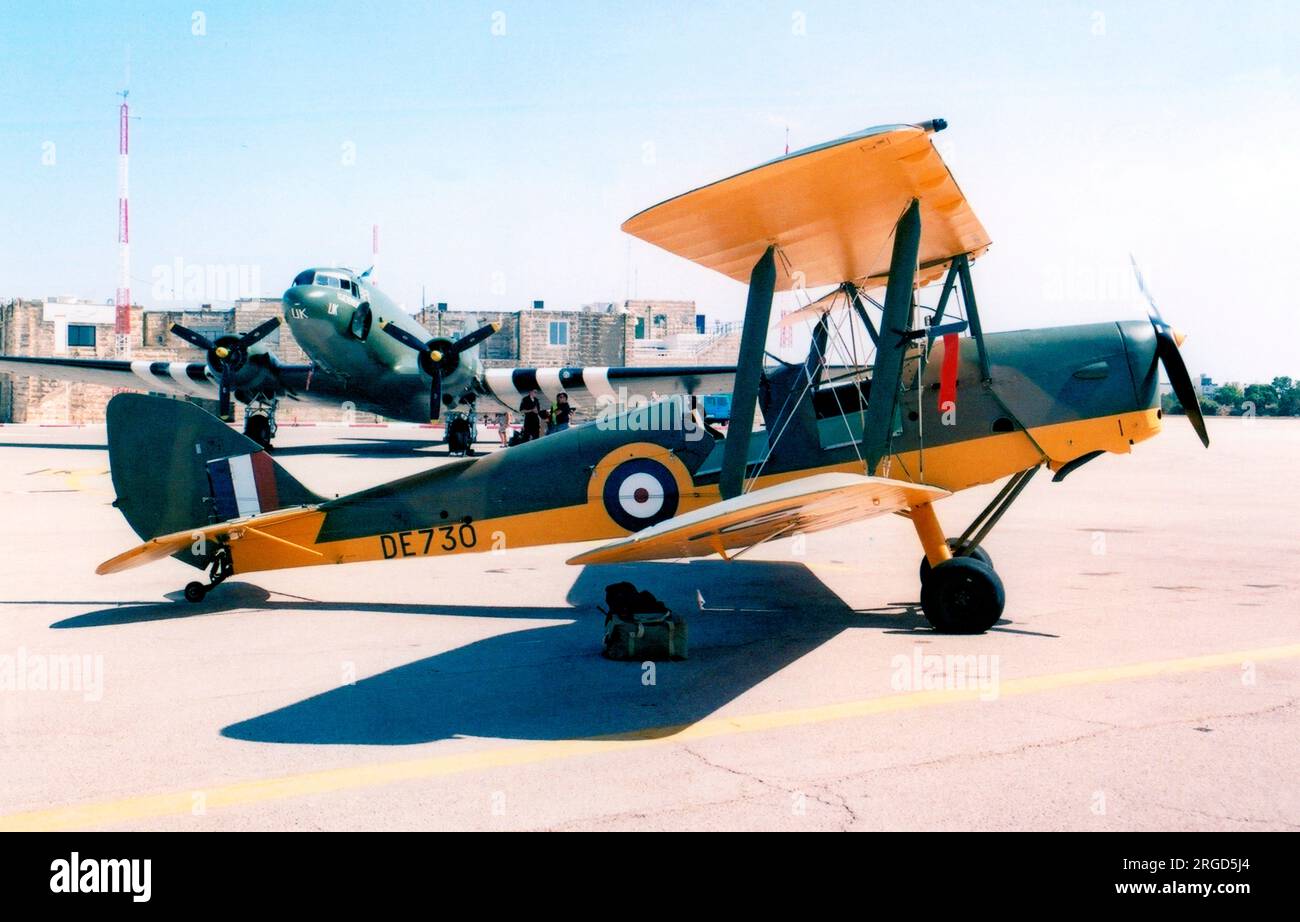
(294, 296)
(1140, 345)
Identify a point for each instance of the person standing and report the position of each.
(503, 428)
(531, 407)
(560, 413)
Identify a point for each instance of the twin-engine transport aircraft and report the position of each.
(367, 352)
(929, 412)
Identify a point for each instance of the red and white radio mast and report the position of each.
(122, 318)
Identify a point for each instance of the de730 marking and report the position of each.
(424, 541)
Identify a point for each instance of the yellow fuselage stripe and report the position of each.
(953, 467)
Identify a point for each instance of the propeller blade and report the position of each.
(1172, 360)
(405, 338)
(261, 331)
(435, 395)
(225, 387)
(473, 339)
(1176, 369)
(194, 339)
(1152, 311)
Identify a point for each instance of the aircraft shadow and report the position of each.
(366, 447)
(552, 683)
(236, 596)
(61, 446)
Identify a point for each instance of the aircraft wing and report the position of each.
(830, 209)
(509, 385)
(189, 379)
(796, 506)
(177, 379)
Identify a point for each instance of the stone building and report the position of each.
(70, 328)
(597, 334)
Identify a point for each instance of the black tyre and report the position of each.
(458, 437)
(962, 596)
(258, 428)
(978, 554)
(195, 592)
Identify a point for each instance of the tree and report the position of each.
(1288, 398)
(1261, 398)
(1228, 395)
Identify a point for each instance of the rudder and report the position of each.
(176, 466)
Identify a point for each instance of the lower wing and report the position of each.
(795, 507)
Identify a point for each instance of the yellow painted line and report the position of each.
(240, 793)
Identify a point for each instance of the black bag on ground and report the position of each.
(639, 626)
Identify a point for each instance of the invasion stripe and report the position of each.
(180, 373)
(500, 382)
(145, 372)
(571, 379)
(524, 379)
(597, 381)
(548, 382)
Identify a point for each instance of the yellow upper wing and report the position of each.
(830, 208)
(803, 505)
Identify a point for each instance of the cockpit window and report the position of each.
(304, 277)
(356, 289)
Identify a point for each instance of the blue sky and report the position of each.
(499, 166)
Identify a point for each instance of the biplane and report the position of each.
(936, 406)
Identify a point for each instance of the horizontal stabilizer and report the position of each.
(205, 536)
(798, 506)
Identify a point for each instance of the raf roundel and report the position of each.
(639, 493)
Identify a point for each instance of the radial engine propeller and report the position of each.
(227, 357)
(439, 357)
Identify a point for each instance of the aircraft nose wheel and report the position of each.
(962, 596)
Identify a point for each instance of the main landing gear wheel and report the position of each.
(258, 428)
(977, 554)
(962, 596)
(195, 592)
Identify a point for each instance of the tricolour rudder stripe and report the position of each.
(243, 485)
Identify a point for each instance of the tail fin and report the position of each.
(176, 466)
